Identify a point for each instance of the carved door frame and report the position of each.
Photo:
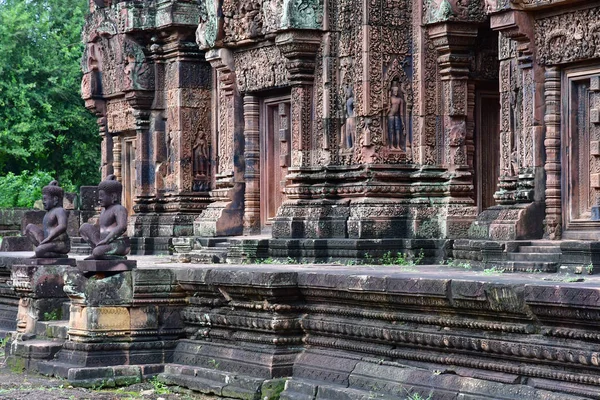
(577, 224)
(484, 145)
(274, 142)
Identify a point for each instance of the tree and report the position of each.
(44, 125)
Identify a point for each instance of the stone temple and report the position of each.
(344, 125)
(343, 130)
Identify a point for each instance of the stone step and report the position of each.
(52, 329)
(209, 256)
(210, 381)
(80, 246)
(28, 353)
(525, 266)
(533, 257)
(540, 249)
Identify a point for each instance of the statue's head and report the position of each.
(109, 191)
(52, 195)
(395, 88)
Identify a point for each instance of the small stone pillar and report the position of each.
(122, 326)
(39, 284)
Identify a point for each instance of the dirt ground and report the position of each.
(23, 386)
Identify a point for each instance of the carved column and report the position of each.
(519, 122)
(453, 43)
(142, 155)
(252, 173)
(224, 216)
(117, 160)
(300, 48)
(106, 149)
(553, 221)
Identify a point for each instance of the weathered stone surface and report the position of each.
(39, 286)
(360, 333)
(106, 265)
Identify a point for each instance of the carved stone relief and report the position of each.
(568, 37)
(454, 10)
(208, 28)
(302, 14)
(261, 68)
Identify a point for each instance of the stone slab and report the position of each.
(106, 265)
(48, 261)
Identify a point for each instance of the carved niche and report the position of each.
(568, 37)
(374, 61)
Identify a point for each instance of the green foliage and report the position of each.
(24, 189)
(493, 270)
(458, 264)
(159, 387)
(402, 259)
(54, 315)
(44, 125)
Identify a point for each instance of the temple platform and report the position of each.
(324, 331)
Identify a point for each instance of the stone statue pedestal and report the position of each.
(123, 324)
(48, 261)
(39, 284)
(106, 265)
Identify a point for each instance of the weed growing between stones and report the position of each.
(493, 270)
(457, 264)
(416, 396)
(159, 387)
(402, 259)
(589, 269)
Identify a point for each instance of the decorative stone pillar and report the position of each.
(519, 122)
(252, 173)
(453, 43)
(39, 284)
(300, 48)
(122, 326)
(224, 216)
(553, 221)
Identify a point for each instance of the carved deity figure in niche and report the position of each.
(200, 163)
(136, 70)
(51, 240)
(396, 132)
(349, 125)
(108, 238)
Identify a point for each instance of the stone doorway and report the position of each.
(581, 152)
(274, 156)
(487, 142)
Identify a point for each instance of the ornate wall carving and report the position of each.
(453, 10)
(261, 68)
(568, 37)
